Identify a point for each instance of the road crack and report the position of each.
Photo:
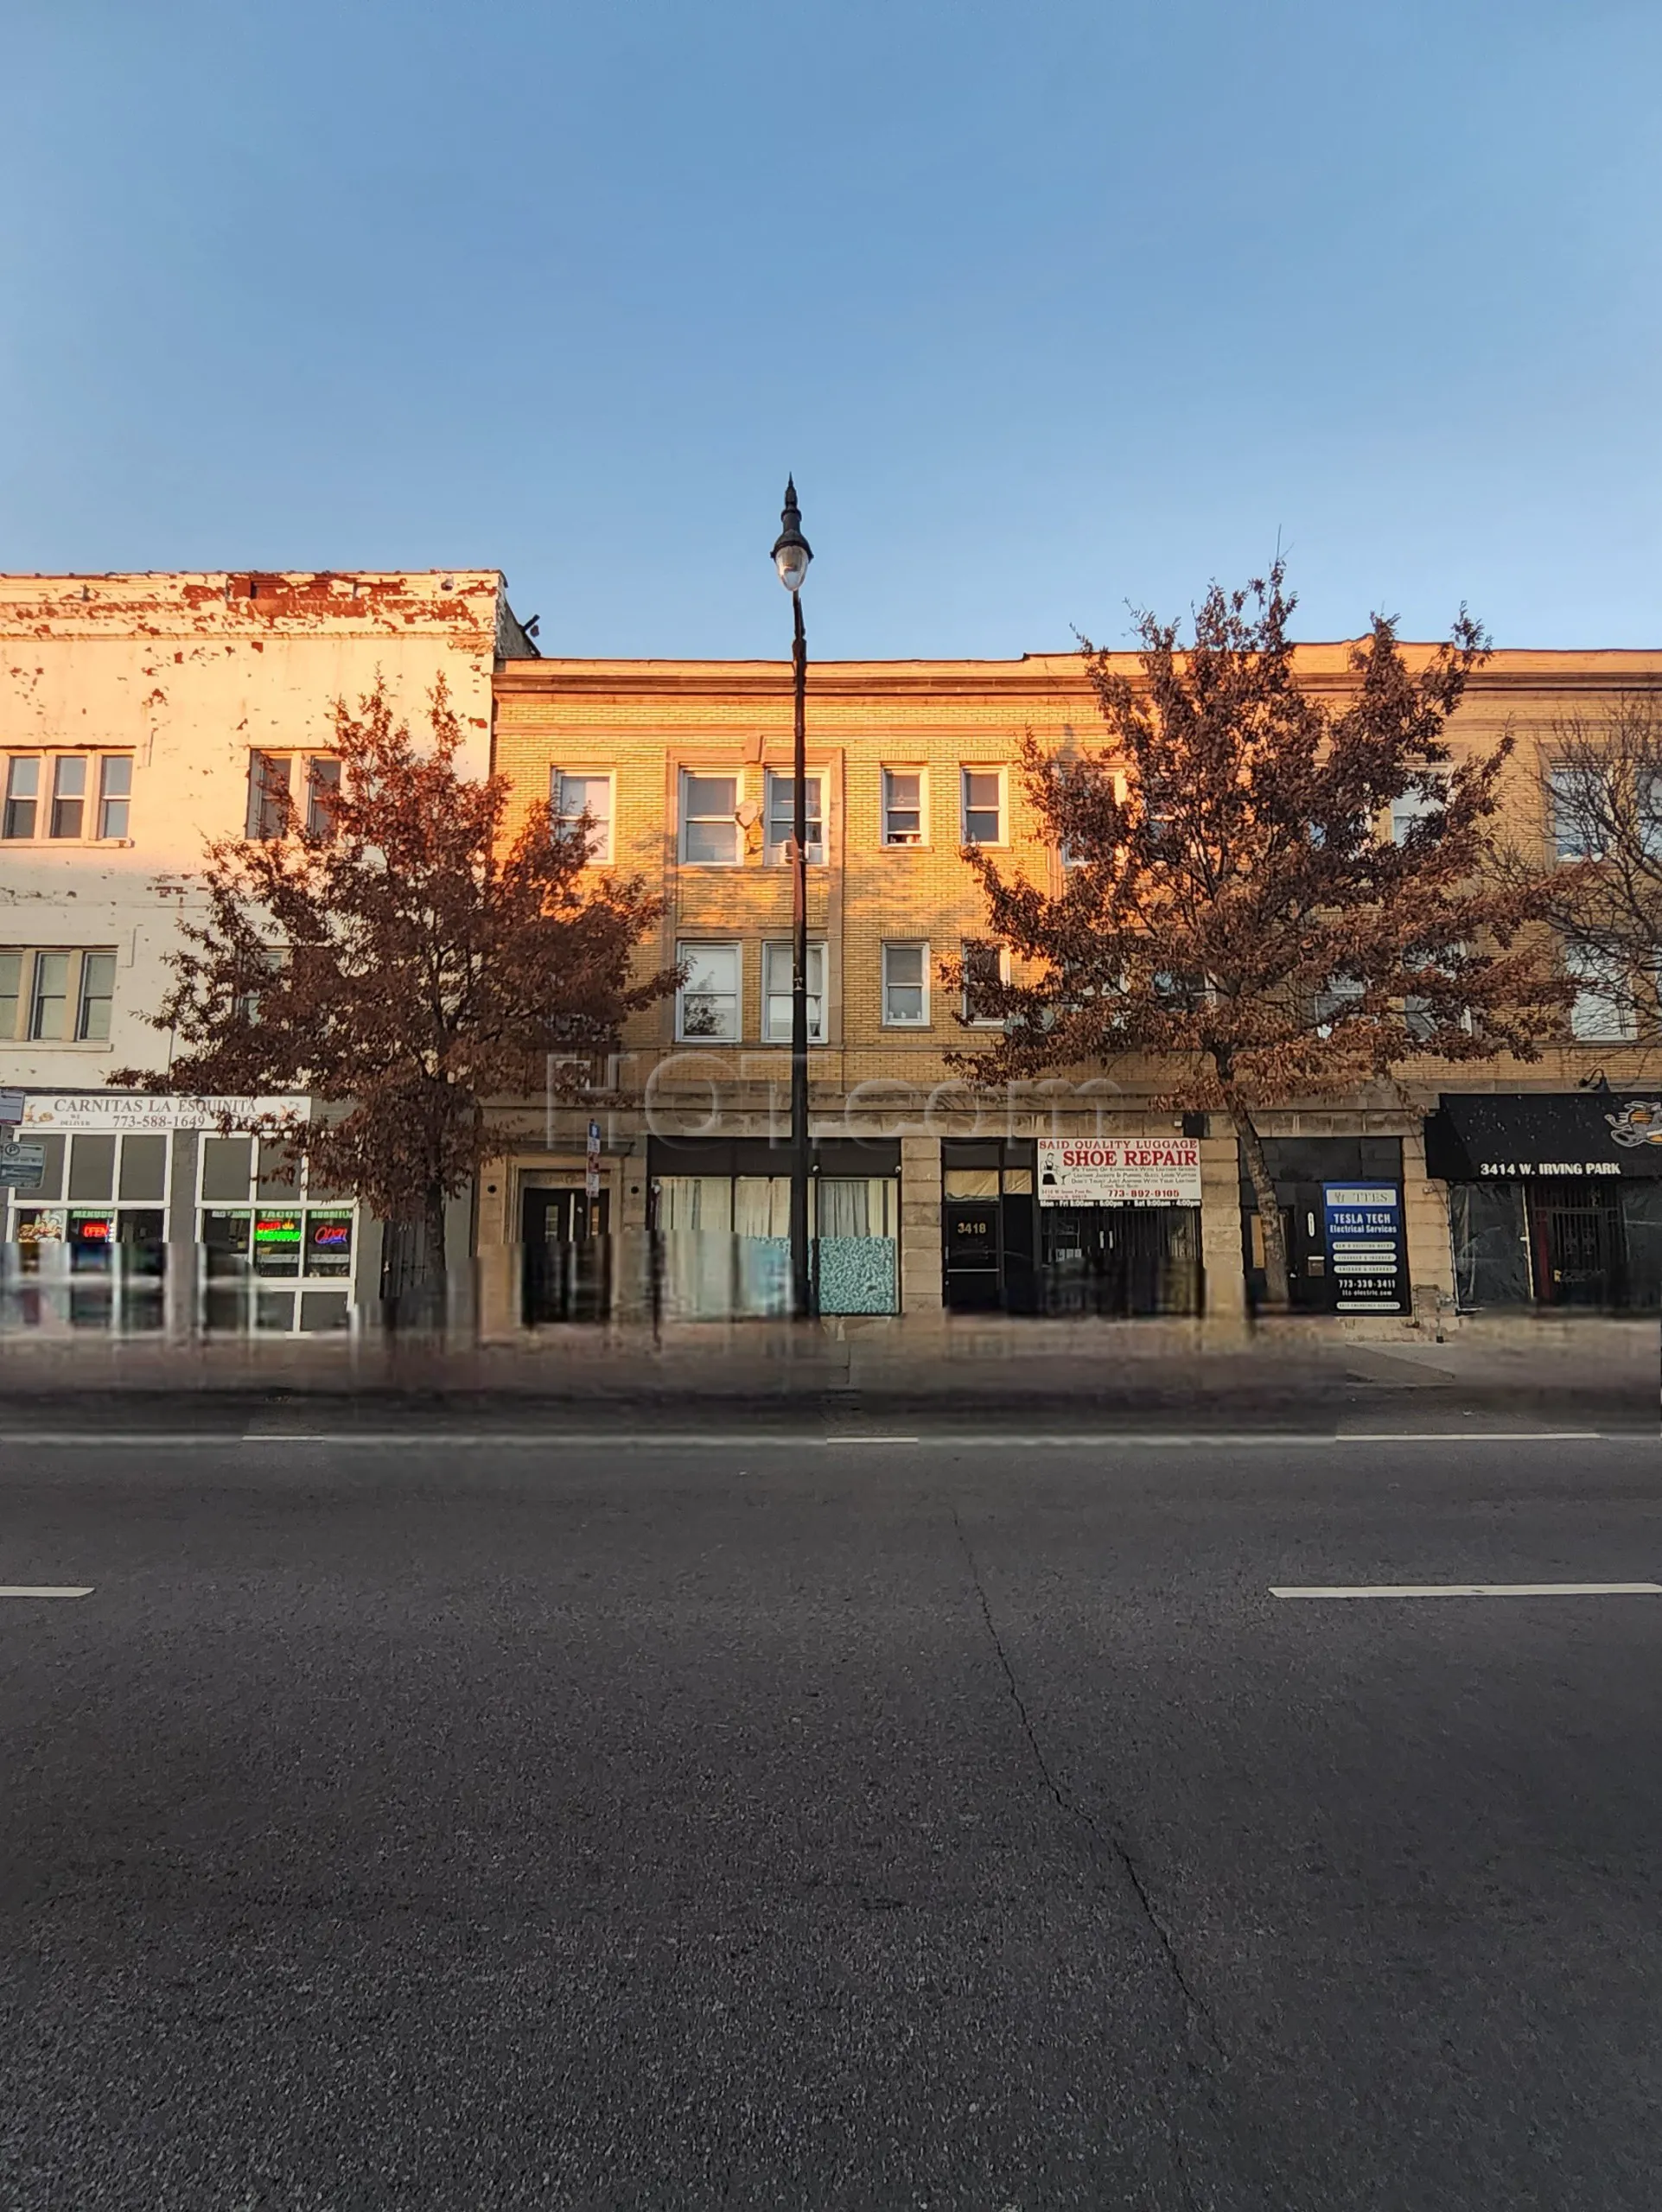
(1102, 1833)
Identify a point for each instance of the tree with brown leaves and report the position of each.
(391, 955)
(1600, 882)
(1230, 907)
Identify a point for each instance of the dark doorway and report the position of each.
(1120, 1262)
(1577, 1245)
(972, 1255)
(568, 1273)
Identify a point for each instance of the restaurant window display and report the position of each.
(282, 1260)
(1555, 1198)
(139, 1218)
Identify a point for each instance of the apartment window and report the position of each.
(1650, 816)
(23, 794)
(56, 995)
(707, 1006)
(95, 997)
(273, 805)
(905, 986)
(1418, 805)
(710, 835)
(1335, 1001)
(572, 797)
(71, 796)
(776, 993)
(781, 819)
(1602, 1010)
(903, 806)
(984, 806)
(49, 1000)
(1579, 805)
(68, 794)
(985, 964)
(115, 793)
(323, 789)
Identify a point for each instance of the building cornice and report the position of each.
(1059, 679)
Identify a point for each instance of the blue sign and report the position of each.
(1364, 1246)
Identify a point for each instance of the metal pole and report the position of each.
(801, 1270)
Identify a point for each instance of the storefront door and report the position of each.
(1577, 1245)
(568, 1273)
(970, 1237)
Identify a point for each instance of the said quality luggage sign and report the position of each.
(1161, 1170)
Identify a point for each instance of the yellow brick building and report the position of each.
(686, 766)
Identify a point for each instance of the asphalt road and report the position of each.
(756, 1824)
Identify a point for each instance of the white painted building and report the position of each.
(140, 717)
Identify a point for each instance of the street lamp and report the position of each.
(791, 554)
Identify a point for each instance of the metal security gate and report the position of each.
(1120, 1262)
(1577, 1244)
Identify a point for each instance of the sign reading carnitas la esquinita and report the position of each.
(1119, 1172)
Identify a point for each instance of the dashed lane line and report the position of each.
(1473, 1589)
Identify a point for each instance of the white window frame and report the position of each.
(1562, 778)
(1647, 805)
(48, 762)
(981, 1020)
(308, 816)
(904, 844)
(919, 945)
(566, 824)
(684, 820)
(776, 962)
(1597, 1016)
(1337, 995)
(776, 852)
(684, 950)
(1416, 805)
(966, 769)
(29, 958)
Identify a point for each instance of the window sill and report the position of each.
(68, 844)
(923, 845)
(88, 1044)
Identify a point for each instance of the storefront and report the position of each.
(1071, 1227)
(1555, 1198)
(720, 1223)
(1340, 1200)
(146, 1216)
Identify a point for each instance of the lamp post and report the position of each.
(791, 557)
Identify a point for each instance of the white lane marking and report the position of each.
(1476, 1590)
(1463, 1436)
(43, 1590)
(612, 1440)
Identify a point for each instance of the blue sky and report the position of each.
(1050, 308)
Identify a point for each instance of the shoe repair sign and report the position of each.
(1119, 1172)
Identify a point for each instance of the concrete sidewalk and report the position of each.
(1578, 1373)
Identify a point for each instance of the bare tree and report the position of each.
(1599, 885)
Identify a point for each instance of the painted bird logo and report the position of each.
(1638, 1123)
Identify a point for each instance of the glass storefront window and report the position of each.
(277, 1243)
(329, 1244)
(91, 1238)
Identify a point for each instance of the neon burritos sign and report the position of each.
(1119, 1172)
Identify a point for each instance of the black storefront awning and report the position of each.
(1478, 1136)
